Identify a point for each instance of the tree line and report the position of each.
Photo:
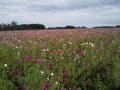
(67, 27)
(117, 26)
(14, 26)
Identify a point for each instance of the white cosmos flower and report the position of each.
(47, 78)
(52, 74)
(30, 68)
(70, 43)
(18, 53)
(92, 45)
(5, 65)
(45, 50)
(42, 72)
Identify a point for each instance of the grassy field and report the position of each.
(60, 60)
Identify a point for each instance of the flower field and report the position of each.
(80, 59)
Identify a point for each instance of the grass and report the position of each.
(32, 64)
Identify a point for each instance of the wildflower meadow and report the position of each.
(85, 59)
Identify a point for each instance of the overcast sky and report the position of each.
(61, 12)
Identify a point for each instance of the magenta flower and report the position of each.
(25, 87)
(109, 41)
(46, 84)
(41, 61)
(80, 51)
(20, 61)
(65, 79)
(18, 73)
(88, 65)
(65, 72)
(55, 78)
(111, 52)
(62, 88)
(28, 57)
(41, 84)
(50, 65)
(46, 88)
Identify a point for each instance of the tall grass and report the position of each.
(86, 64)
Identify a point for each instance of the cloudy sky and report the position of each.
(61, 12)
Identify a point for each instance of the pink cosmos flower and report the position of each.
(62, 58)
(47, 49)
(55, 52)
(57, 83)
(70, 43)
(51, 58)
(60, 50)
(15, 75)
(64, 45)
(39, 54)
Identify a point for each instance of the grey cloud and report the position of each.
(74, 5)
(61, 12)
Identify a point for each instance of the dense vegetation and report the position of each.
(41, 64)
